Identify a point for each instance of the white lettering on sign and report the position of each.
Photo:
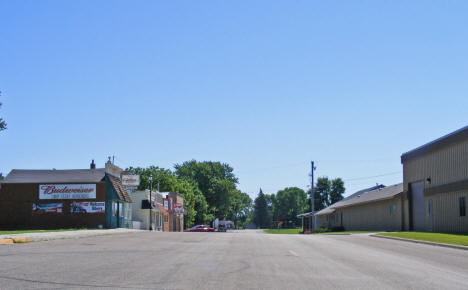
(67, 191)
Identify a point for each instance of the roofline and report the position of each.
(449, 139)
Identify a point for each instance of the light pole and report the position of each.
(150, 203)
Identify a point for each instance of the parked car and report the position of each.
(200, 228)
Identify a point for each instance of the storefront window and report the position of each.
(120, 209)
(114, 208)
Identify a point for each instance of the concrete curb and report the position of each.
(48, 236)
(6, 241)
(422, 242)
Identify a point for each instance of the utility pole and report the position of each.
(312, 197)
(150, 203)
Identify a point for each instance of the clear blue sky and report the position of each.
(262, 85)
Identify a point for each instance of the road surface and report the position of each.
(234, 260)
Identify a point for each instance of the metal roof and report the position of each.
(454, 137)
(364, 190)
(55, 176)
(366, 197)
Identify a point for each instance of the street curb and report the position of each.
(325, 234)
(21, 240)
(6, 241)
(422, 242)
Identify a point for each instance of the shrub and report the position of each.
(321, 230)
(337, 229)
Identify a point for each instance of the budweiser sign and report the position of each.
(67, 191)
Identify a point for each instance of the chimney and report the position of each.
(92, 165)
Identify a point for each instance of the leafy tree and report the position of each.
(322, 193)
(240, 206)
(336, 190)
(215, 180)
(1, 176)
(270, 199)
(261, 219)
(3, 125)
(327, 192)
(288, 203)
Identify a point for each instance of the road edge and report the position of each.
(422, 242)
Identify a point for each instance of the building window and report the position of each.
(120, 209)
(393, 210)
(429, 207)
(114, 208)
(462, 206)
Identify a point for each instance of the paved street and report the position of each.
(233, 260)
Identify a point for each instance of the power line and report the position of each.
(373, 176)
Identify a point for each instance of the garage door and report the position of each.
(417, 206)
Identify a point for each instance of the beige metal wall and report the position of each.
(442, 166)
(446, 212)
(329, 220)
(373, 216)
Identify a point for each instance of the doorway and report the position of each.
(418, 207)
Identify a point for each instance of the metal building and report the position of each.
(378, 208)
(435, 180)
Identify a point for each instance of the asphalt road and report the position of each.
(233, 260)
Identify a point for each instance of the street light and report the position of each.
(150, 202)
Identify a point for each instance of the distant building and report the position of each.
(141, 210)
(377, 209)
(77, 198)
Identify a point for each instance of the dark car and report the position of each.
(200, 228)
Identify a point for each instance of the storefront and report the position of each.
(51, 199)
(145, 211)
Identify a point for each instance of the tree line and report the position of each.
(281, 209)
(209, 190)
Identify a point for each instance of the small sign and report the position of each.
(67, 191)
(178, 209)
(43, 208)
(131, 180)
(88, 207)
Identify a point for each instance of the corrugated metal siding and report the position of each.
(446, 216)
(373, 216)
(443, 166)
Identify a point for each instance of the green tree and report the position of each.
(3, 125)
(215, 180)
(270, 199)
(240, 206)
(336, 190)
(290, 202)
(261, 218)
(327, 192)
(1, 176)
(322, 193)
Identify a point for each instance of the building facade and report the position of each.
(379, 209)
(435, 179)
(142, 208)
(51, 199)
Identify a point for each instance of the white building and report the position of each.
(141, 210)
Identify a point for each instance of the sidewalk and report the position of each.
(34, 237)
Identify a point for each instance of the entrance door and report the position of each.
(418, 208)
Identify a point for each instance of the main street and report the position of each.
(234, 260)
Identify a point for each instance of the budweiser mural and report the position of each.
(67, 191)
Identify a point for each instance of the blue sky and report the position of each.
(262, 85)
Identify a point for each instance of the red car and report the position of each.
(200, 228)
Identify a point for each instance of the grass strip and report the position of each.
(283, 231)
